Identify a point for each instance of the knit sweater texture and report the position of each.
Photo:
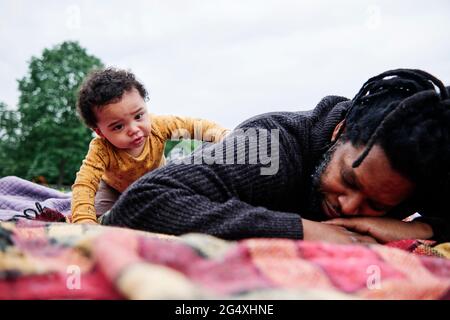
(235, 200)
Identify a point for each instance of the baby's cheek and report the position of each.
(147, 130)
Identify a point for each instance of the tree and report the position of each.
(8, 139)
(52, 140)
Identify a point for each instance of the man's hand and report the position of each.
(384, 229)
(318, 231)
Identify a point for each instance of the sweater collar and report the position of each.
(325, 117)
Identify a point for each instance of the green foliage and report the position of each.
(8, 122)
(50, 140)
(177, 148)
(8, 139)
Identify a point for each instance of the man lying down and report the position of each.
(347, 171)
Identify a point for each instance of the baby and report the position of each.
(129, 143)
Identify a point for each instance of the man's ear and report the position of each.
(98, 132)
(338, 130)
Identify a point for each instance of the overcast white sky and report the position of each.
(227, 60)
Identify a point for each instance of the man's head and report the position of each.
(394, 145)
(112, 103)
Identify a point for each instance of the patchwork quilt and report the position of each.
(57, 260)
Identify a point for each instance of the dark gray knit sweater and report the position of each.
(235, 201)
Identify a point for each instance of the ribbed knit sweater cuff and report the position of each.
(286, 225)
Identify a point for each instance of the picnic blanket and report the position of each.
(43, 260)
(17, 195)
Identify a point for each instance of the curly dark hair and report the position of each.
(102, 87)
(407, 113)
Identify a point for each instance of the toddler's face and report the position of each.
(126, 123)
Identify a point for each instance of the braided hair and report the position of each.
(407, 113)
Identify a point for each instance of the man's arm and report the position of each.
(385, 229)
(159, 205)
(162, 205)
(319, 231)
(230, 200)
(439, 226)
(172, 209)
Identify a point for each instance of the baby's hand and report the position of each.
(224, 135)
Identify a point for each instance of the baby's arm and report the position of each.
(86, 183)
(175, 127)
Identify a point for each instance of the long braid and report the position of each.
(410, 83)
(392, 117)
(423, 78)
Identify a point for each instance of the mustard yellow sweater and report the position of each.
(119, 169)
